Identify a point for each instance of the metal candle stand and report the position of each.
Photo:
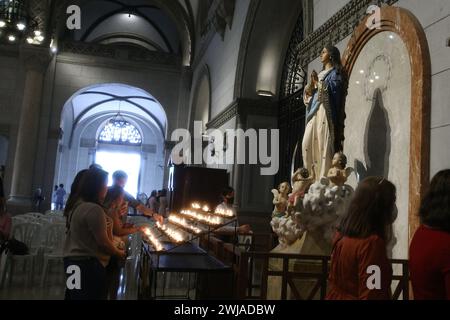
(185, 256)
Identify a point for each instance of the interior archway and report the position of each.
(105, 123)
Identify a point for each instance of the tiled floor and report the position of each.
(53, 288)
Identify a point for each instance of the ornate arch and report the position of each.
(408, 28)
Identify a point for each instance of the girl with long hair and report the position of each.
(89, 245)
(429, 255)
(360, 245)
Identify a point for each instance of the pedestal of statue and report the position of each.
(316, 245)
(274, 283)
(312, 243)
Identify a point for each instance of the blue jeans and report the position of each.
(92, 279)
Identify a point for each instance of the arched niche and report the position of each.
(401, 26)
(201, 102)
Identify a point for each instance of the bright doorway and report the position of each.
(112, 161)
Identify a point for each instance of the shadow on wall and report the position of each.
(377, 141)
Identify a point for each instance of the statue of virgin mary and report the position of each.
(324, 98)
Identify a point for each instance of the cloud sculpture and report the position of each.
(322, 206)
(320, 209)
(286, 229)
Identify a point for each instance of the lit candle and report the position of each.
(224, 213)
(171, 233)
(182, 222)
(153, 240)
(212, 220)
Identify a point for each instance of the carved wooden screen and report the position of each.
(291, 121)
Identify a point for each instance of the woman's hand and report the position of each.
(150, 213)
(158, 218)
(123, 209)
(142, 229)
(245, 229)
(121, 253)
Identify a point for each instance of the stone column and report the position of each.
(238, 168)
(35, 62)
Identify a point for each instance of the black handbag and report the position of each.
(15, 247)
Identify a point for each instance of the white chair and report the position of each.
(18, 219)
(54, 213)
(53, 248)
(27, 233)
(36, 215)
(58, 219)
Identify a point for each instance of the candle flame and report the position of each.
(153, 240)
(202, 217)
(224, 213)
(184, 223)
(171, 233)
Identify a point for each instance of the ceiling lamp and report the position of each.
(16, 24)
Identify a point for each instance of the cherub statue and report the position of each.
(338, 173)
(280, 199)
(301, 181)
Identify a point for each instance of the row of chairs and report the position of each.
(44, 235)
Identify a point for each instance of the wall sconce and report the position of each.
(265, 93)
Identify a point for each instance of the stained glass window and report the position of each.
(120, 132)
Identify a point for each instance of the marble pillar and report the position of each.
(35, 62)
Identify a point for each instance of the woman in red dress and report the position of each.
(360, 268)
(429, 254)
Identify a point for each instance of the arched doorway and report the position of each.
(119, 145)
(118, 127)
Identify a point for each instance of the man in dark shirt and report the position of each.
(119, 181)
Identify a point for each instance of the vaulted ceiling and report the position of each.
(157, 25)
